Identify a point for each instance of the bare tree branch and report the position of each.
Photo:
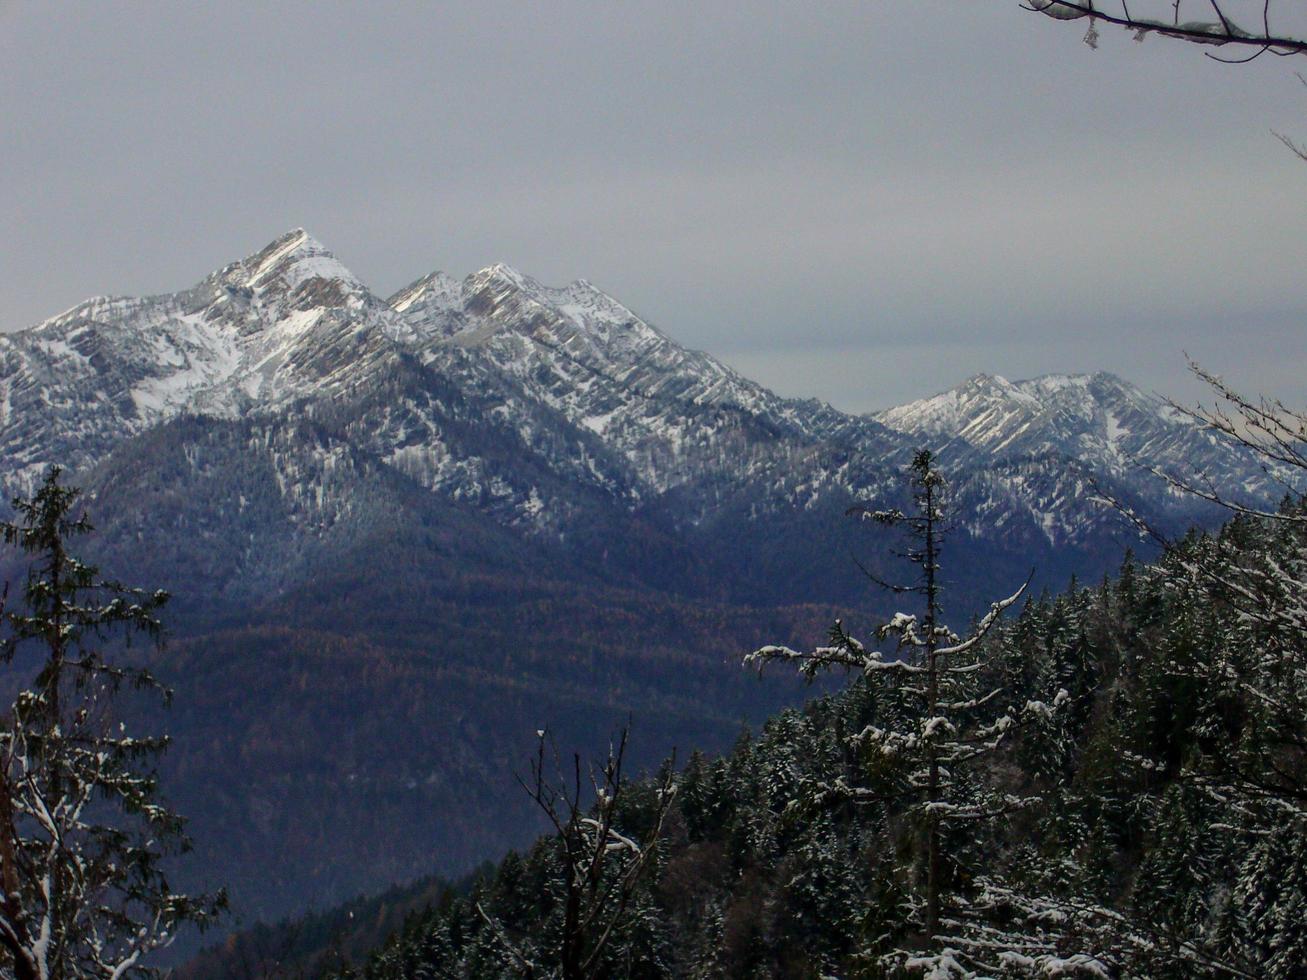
(601, 867)
(1220, 31)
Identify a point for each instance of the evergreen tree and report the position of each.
(1269, 903)
(82, 831)
(934, 720)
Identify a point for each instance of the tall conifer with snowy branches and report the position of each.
(82, 832)
(933, 722)
(1215, 743)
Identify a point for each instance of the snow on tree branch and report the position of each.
(82, 837)
(1216, 27)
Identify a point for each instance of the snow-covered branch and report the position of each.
(1216, 29)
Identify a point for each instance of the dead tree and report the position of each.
(601, 868)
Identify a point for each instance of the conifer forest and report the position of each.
(1108, 784)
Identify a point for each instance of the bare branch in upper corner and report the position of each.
(1217, 29)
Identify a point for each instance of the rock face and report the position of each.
(540, 406)
(420, 528)
(1099, 419)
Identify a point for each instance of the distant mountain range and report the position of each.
(404, 533)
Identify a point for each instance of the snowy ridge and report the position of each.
(1097, 418)
(1076, 429)
(538, 404)
(665, 409)
(112, 367)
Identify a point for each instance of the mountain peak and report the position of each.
(504, 273)
(985, 394)
(1083, 416)
(985, 381)
(434, 286)
(283, 245)
(294, 258)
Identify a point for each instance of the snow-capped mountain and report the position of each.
(539, 404)
(290, 325)
(1099, 419)
(677, 419)
(1093, 429)
(254, 334)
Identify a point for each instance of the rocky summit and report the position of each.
(537, 404)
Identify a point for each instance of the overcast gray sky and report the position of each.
(866, 202)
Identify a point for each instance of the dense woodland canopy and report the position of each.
(1159, 826)
(1111, 782)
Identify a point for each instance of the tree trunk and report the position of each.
(933, 861)
(13, 912)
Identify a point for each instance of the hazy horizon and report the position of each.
(861, 203)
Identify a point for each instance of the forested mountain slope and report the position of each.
(1157, 828)
(404, 533)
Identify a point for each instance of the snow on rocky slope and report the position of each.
(1102, 423)
(254, 334)
(674, 415)
(540, 403)
(573, 375)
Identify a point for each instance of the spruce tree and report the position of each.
(83, 833)
(933, 722)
